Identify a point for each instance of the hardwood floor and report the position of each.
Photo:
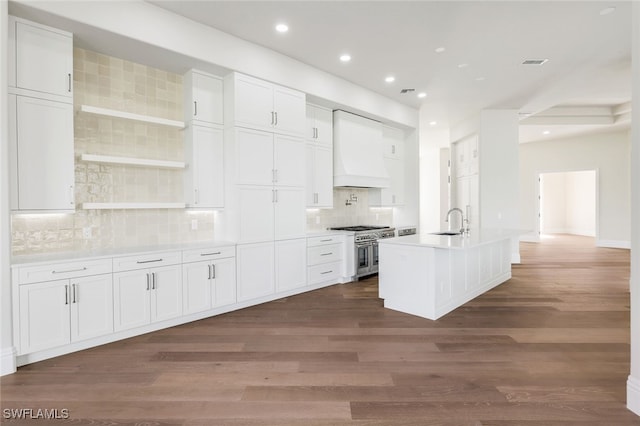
(549, 347)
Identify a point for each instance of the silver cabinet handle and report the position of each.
(276, 122)
(196, 196)
(275, 192)
(327, 240)
(153, 281)
(66, 294)
(69, 77)
(272, 118)
(195, 108)
(149, 261)
(325, 272)
(209, 269)
(317, 133)
(210, 254)
(393, 149)
(213, 271)
(71, 195)
(276, 175)
(66, 271)
(148, 282)
(73, 288)
(326, 254)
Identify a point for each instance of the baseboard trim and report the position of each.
(8, 361)
(621, 244)
(530, 238)
(633, 394)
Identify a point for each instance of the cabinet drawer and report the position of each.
(197, 255)
(66, 270)
(325, 272)
(324, 254)
(129, 263)
(325, 239)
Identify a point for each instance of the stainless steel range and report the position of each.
(366, 246)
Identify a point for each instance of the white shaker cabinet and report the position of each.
(319, 176)
(209, 279)
(393, 142)
(291, 264)
(204, 175)
(41, 59)
(256, 277)
(257, 104)
(393, 151)
(203, 98)
(319, 125)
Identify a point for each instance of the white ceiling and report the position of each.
(589, 54)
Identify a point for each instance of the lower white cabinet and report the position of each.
(55, 313)
(291, 264)
(325, 259)
(146, 295)
(209, 283)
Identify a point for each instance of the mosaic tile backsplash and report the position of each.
(113, 83)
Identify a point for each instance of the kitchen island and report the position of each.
(430, 275)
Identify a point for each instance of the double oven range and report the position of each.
(366, 246)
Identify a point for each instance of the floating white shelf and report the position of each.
(142, 162)
(129, 206)
(130, 116)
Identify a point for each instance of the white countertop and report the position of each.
(476, 237)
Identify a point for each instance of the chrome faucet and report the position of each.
(462, 219)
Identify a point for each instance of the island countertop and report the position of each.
(475, 238)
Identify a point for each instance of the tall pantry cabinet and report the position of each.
(265, 177)
(40, 77)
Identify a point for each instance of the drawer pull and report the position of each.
(210, 254)
(325, 272)
(149, 261)
(327, 240)
(69, 270)
(326, 254)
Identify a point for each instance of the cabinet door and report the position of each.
(255, 270)
(204, 178)
(323, 167)
(324, 125)
(166, 293)
(289, 161)
(91, 306)
(310, 187)
(44, 315)
(474, 159)
(461, 157)
(395, 167)
(44, 60)
(224, 282)
(207, 98)
(254, 103)
(254, 157)
(290, 213)
(131, 294)
(289, 107)
(393, 142)
(45, 165)
(256, 213)
(196, 291)
(291, 264)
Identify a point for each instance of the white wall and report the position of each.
(569, 203)
(608, 154)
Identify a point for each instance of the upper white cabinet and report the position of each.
(393, 151)
(319, 176)
(465, 156)
(319, 124)
(254, 103)
(41, 154)
(392, 142)
(41, 59)
(204, 175)
(203, 98)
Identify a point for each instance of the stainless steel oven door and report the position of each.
(364, 258)
(374, 257)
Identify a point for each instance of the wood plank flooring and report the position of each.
(548, 347)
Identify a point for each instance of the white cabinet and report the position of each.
(319, 161)
(146, 294)
(257, 104)
(393, 150)
(203, 98)
(392, 142)
(319, 125)
(204, 176)
(468, 199)
(465, 156)
(325, 259)
(208, 283)
(255, 270)
(41, 59)
(57, 312)
(290, 264)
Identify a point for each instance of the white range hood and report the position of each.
(357, 152)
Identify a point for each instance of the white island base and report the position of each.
(430, 275)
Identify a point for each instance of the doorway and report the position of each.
(568, 203)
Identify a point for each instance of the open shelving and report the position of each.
(131, 161)
(131, 206)
(131, 116)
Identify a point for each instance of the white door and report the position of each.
(323, 166)
(324, 125)
(290, 109)
(290, 213)
(44, 316)
(310, 187)
(45, 155)
(166, 293)
(395, 167)
(196, 291)
(254, 157)
(289, 161)
(255, 269)
(44, 60)
(291, 264)
(91, 306)
(256, 213)
(209, 166)
(224, 282)
(131, 299)
(254, 103)
(207, 98)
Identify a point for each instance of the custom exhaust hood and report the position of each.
(357, 152)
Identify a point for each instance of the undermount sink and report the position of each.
(446, 233)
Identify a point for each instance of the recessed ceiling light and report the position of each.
(345, 57)
(463, 65)
(546, 132)
(440, 49)
(282, 28)
(390, 79)
(433, 123)
(422, 95)
(607, 10)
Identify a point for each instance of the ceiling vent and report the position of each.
(534, 61)
(407, 90)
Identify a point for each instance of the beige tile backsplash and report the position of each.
(108, 82)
